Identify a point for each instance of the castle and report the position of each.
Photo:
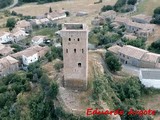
(75, 55)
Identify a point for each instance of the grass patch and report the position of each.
(50, 32)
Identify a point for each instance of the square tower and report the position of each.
(75, 55)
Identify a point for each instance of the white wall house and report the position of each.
(29, 57)
(5, 37)
(56, 15)
(150, 77)
(19, 35)
(36, 40)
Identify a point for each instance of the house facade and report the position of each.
(55, 15)
(19, 35)
(29, 57)
(5, 37)
(36, 40)
(25, 25)
(138, 57)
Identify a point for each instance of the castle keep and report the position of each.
(75, 55)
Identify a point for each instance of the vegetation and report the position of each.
(155, 47)
(16, 47)
(132, 2)
(124, 5)
(140, 43)
(103, 35)
(106, 8)
(156, 16)
(5, 3)
(122, 95)
(55, 53)
(11, 23)
(112, 62)
(39, 1)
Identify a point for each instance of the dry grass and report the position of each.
(72, 5)
(148, 6)
(152, 102)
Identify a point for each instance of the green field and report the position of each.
(148, 6)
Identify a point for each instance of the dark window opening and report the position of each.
(78, 39)
(82, 51)
(66, 50)
(69, 39)
(74, 50)
(79, 64)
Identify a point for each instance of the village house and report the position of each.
(31, 54)
(136, 56)
(114, 49)
(141, 30)
(45, 21)
(5, 50)
(24, 24)
(5, 37)
(19, 35)
(35, 23)
(110, 15)
(36, 40)
(55, 15)
(150, 60)
(150, 77)
(29, 57)
(131, 55)
(8, 65)
(141, 18)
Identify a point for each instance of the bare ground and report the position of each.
(73, 6)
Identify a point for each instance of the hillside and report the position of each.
(5, 3)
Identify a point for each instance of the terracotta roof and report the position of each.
(7, 61)
(4, 33)
(55, 14)
(133, 52)
(114, 49)
(151, 57)
(30, 51)
(23, 23)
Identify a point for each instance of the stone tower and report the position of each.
(75, 55)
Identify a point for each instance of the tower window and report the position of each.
(82, 50)
(69, 39)
(79, 65)
(78, 39)
(74, 50)
(66, 50)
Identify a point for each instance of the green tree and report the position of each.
(113, 63)
(106, 8)
(11, 22)
(50, 10)
(132, 2)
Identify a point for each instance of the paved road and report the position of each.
(131, 70)
(11, 6)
